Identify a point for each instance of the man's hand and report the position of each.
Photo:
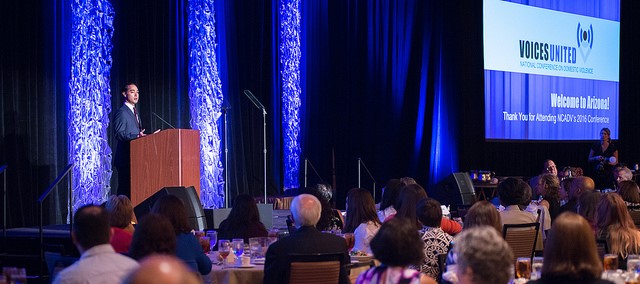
(157, 130)
(141, 134)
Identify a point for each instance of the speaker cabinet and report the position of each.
(189, 197)
(455, 189)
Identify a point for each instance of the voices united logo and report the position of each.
(585, 40)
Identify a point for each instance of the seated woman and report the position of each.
(570, 254)
(397, 247)
(330, 218)
(243, 221)
(615, 225)
(408, 198)
(154, 235)
(483, 213)
(389, 197)
(120, 216)
(549, 187)
(630, 193)
(435, 239)
(362, 219)
(188, 248)
(587, 205)
(482, 256)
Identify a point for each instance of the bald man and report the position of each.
(579, 185)
(305, 209)
(162, 269)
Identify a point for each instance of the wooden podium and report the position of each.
(169, 158)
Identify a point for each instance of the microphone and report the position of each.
(163, 120)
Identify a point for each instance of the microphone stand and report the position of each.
(225, 110)
(257, 103)
(306, 161)
(361, 163)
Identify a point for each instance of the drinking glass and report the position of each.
(523, 267)
(238, 247)
(205, 243)
(536, 268)
(224, 248)
(610, 262)
(255, 245)
(349, 238)
(213, 239)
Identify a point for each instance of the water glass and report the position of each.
(633, 263)
(213, 239)
(238, 247)
(255, 245)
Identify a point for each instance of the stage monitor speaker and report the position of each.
(455, 189)
(189, 197)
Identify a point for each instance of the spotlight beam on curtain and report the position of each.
(290, 65)
(90, 100)
(205, 95)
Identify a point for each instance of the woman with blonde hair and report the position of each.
(615, 225)
(549, 187)
(570, 254)
(483, 213)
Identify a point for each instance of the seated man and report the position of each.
(163, 269)
(513, 193)
(578, 185)
(621, 173)
(98, 263)
(305, 209)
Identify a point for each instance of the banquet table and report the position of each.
(235, 275)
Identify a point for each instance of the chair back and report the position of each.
(521, 238)
(634, 211)
(317, 268)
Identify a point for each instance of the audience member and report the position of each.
(408, 198)
(483, 213)
(407, 181)
(482, 257)
(579, 185)
(630, 193)
(243, 222)
(435, 239)
(615, 225)
(162, 269)
(154, 235)
(570, 255)
(621, 173)
(362, 219)
(587, 207)
(549, 188)
(565, 185)
(307, 239)
(120, 212)
(548, 167)
(330, 218)
(512, 192)
(98, 262)
(397, 247)
(389, 198)
(188, 248)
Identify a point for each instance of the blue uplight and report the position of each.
(205, 95)
(90, 100)
(290, 63)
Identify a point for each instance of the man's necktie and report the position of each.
(135, 112)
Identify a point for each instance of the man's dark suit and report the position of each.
(306, 239)
(126, 129)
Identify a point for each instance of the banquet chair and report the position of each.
(634, 211)
(521, 238)
(316, 268)
(354, 269)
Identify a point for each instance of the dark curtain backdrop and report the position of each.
(374, 72)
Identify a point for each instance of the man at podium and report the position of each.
(127, 126)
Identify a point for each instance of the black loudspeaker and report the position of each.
(455, 189)
(189, 197)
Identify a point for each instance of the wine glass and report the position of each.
(238, 247)
(224, 248)
(349, 238)
(213, 238)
